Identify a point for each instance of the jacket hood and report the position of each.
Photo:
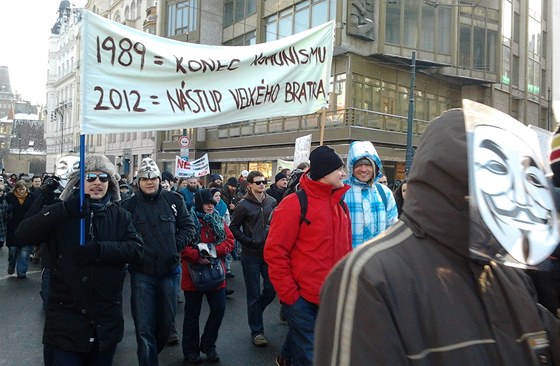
(438, 184)
(360, 150)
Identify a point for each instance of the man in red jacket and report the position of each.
(300, 253)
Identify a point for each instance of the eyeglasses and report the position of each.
(259, 182)
(103, 177)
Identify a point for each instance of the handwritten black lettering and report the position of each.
(250, 97)
(195, 100)
(208, 65)
(292, 56)
(303, 92)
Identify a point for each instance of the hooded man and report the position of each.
(417, 296)
(84, 317)
(167, 227)
(372, 206)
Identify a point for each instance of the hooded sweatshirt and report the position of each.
(414, 297)
(368, 212)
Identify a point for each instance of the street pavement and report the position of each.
(22, 317)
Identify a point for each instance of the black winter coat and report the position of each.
(166, 227)
(85, 300)
(249, 223)
(17, 214)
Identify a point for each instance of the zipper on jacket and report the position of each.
(90, 231)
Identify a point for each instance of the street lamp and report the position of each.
(60, 112)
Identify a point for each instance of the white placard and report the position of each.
(302, 150)
(198, 168)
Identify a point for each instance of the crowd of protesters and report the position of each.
(338, 248)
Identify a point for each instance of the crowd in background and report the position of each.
(288, 235)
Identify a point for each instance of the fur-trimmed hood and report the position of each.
(95, 162)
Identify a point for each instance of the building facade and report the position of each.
(498, 52)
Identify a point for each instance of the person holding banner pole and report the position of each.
(84, 318)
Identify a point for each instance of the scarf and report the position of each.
(21, 197)
(214, 220)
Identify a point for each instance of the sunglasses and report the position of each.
(103, 177)
(259, 182)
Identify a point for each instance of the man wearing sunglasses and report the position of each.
(84, 321)
(249, 225)
(166, 226)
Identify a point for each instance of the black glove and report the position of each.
(85, 254)
(72, 206)
(51, 183)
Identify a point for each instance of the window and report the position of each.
(478, 39)
(299, 17)
(243, 40)
(419, 24)
(181, 17)
(237, 10)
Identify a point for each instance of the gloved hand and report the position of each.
(72, 206)
(48, 187)
(51, 183)
(85, 254)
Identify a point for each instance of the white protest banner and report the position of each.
(302, 150)
(136, 81)
(283, 164)
(197, 168)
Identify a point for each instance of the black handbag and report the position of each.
(207, 277)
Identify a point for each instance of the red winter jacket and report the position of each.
(191, 254)
(299, 257)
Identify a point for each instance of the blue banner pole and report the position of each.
(82, 187)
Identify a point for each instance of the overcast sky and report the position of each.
(25, 29)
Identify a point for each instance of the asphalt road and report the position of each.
(21, 325)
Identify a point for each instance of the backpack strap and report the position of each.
(302, 198)
(382, 194)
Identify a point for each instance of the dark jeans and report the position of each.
(298, 346)
(18, 258)
(193, 304)
(253, 269)
(92, 358)
(154, 304)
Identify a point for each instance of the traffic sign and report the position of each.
(184, 141)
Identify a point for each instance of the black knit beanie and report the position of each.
(232, 181)
(280, 176)
(323, 161)
(201, 197)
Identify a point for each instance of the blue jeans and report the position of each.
(298, 346)
(92, 358)
(193, 304)
(253, 269)
(154, 303)
(18, 258)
